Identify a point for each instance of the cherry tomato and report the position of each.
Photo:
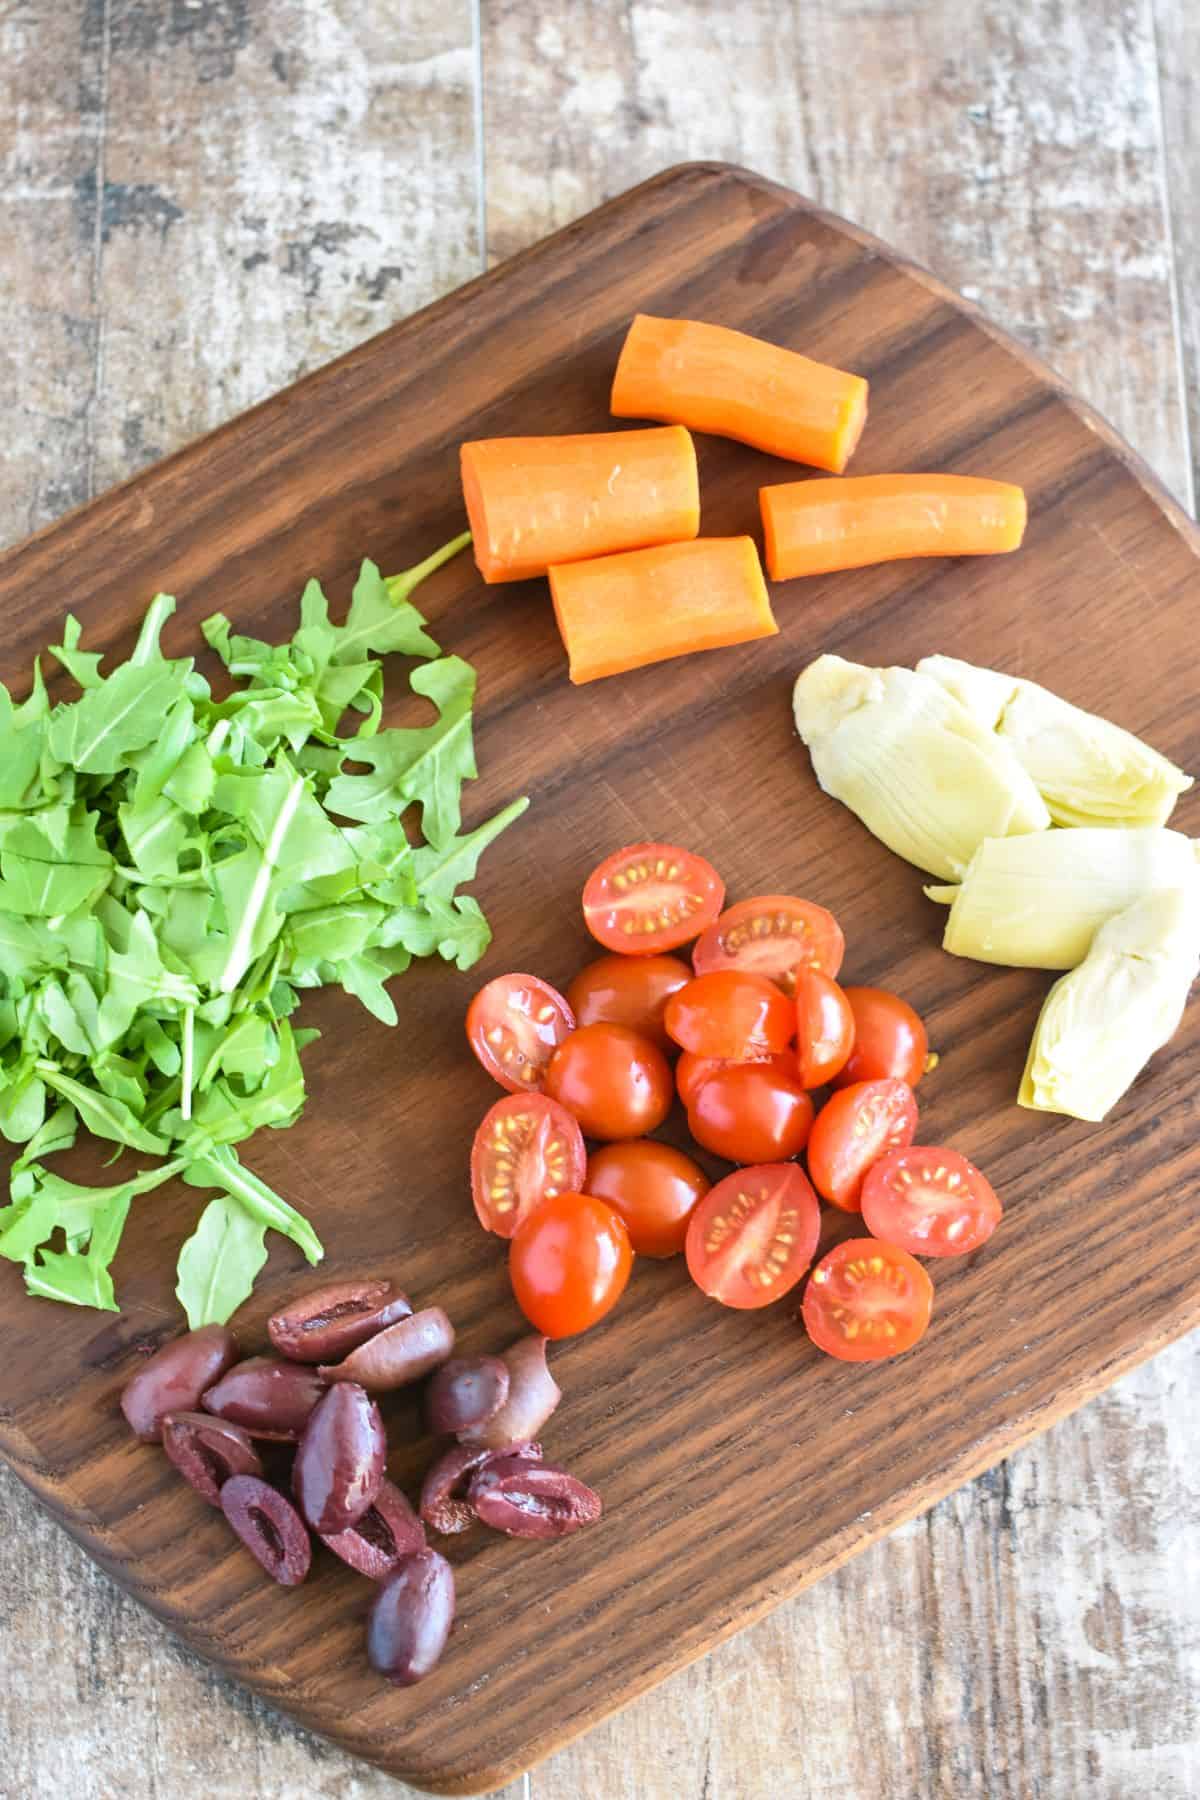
(628, 990)
(772, 935)
(730, 1016)
(569, 1262)
(691, 1071)
(653, 1187)
(853, 1130)
(889, 1039)
(824, 1027)
(929, 1201)
(651, 897)
(753, 1234)
(752, 1113)
(866, 1300)
(617, 1084)
(514, 1025)
(527, 1149)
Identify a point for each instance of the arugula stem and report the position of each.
(400, 586)
(188, 1049)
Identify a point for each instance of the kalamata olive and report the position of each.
(531, 1500)
(175, 1377)
(466, 1391)
(269, 1526)
(410, 1618)
(328, 1323)
(207, 1451)
(444, 1505)
(533, 1395)
(388, 1531)
(267, 1397)
(340, 1459)
(399, 1355)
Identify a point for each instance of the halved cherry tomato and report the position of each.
(824, 1027)
(752, 1113)
(692, 1071)
(628, 990)
(653, 1187)
(569, 1262)
(772, 935)
(853, 1130)
(753, 1234)
(515, 1023)
(651, 897)
(866, 1300)
(616, 1083)
(929, 1201)
(527, 1149)
(889, 1039)
(731, 1016)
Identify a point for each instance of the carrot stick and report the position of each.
(812, 527)
(620, 612)
(533, 501)
(721, 381)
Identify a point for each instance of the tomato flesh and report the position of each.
(854, 1128)
(569, 1262)
(824, 1027)
(929, 1201)
(753, 1235)
(731, 1016)
(866, 1300)
(628, 990)
(651, 897)
(527, 1149)
(752, 1112)
(654, 1188)
(890, 1042)
(514, 1026)
(615, 1082)
(773, 935)
(691, 1071)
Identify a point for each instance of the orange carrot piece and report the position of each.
(721, 381)
(813, 527)
(620, 612)
(533, 501)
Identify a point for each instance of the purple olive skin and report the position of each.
(533, 1395)
(400, 1355)
(175, 1377)
(531, 1500)
(466, 1391)
(340, 1460)
(388, 1531)
(207, 1451)
(267, 1397)
(269, 1526)
(325, 1325)
(410, 1618)
(444, 1505)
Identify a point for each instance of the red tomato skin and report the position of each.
(752, 1113)
(896, 1202)
(569, 1262)
(629, 990)
(616, 1083)
(726, 1218)
(890, 1041)
(691, 1071)
(772, 935)
(663, 878)
(731, 1016)
(824, 1028)
(542, 1017)
(839, 1156)
(837, 1285)
(523, 1140)
(655, 1189)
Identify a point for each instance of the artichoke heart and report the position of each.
(1036, 902)
(1087, 770)
(1103, 1022)
(913, 763)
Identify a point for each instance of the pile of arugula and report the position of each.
(174, 870)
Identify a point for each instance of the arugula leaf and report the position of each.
(53, 866)
(440, 869)
(22, 745)
(428, 765)
(95, 735)
(222, 1169)
(103, 1116)
(219, 1263)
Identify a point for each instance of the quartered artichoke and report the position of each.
(1101, 1024)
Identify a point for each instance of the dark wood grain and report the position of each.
(735, 1463)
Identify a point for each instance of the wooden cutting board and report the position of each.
(736, 1464)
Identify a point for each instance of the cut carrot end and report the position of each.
(817, 527)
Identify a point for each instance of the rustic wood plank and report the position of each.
(1178, 38)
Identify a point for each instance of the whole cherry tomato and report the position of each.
(569, 1261)
(730, 1015)
(617, 1083)
(752, 1113)
(691, 1071)
(890, 1042)
(653, 1187)
(629, 990)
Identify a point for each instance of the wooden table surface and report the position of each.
(201, 199)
